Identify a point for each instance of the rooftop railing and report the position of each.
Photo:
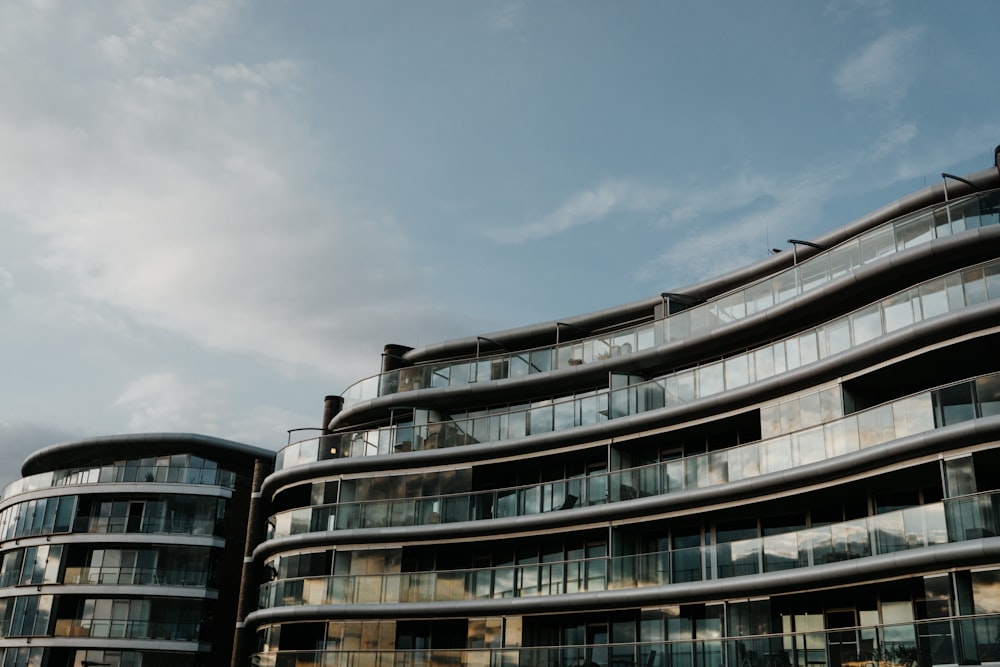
(940, 296)
(973, 211)
(118, 474)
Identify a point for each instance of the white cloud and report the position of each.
(747, 214)
(187, 193)
(506, 15)
(894, 140)
(19, 438)
(166, 402)
(883, 71)
(587, 207)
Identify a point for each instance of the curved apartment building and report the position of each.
(792, 464)
(126, 551)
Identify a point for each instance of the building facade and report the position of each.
(126, 551)
(793, 464)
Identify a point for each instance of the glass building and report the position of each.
(791, 465)
(126, 551)
(795, 464)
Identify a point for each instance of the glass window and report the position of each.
(564, 417)
(519, 365)
(807, 348)
(792, 359)
(785, 285)
(759, 297)
(737, 371)
(764, 362)
(844, 259)
(914, 232)
(975, 286)
(842, 436)
(988, 395)
(986, 591)
(790, 418)
(685, 386)
(830, 404)
(541, 361)
(877, 244)
(541, 419)
(776, 455)
(913, 415)
(954, 404)
(809, 409)
(645, 337)
(809, 446)
(770, 421)
(813, 272)
(898, 311)
(992, 275)
(866, 324)
(710, 380)
(838, 336)
(875, 426)
(933, 298)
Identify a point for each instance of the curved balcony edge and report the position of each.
(146, 591)
(122, 488)
(980, 319)
(980, 244)
(933, 194)
(870, 460)
(932, 558)
(65, 454)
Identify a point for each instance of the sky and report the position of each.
(215, 213)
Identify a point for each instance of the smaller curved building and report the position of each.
(126, 551)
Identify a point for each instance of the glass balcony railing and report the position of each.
(918, 413)
(970, 212)
(949, 640)
(158, 525)
(953, 520)
(112, 628)
(136, 576)
(116, 474)
(942, 295)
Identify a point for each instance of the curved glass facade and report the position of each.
(799, 472)
(124, 561)
(815, 495)
(934, 298)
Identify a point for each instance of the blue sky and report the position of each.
(215, 213)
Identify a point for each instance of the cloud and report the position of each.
(19, 438)
(883, 71)
(894, 139)
(185, 191)
(167, 402)
(843, 10)
(585, 208)
(505, 15)
(746, 214)
(162, 402)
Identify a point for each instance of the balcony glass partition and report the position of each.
(902, 530)
(971, 212)
(950, 640)
(177, 469)
(939, 296)
(918, 413)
